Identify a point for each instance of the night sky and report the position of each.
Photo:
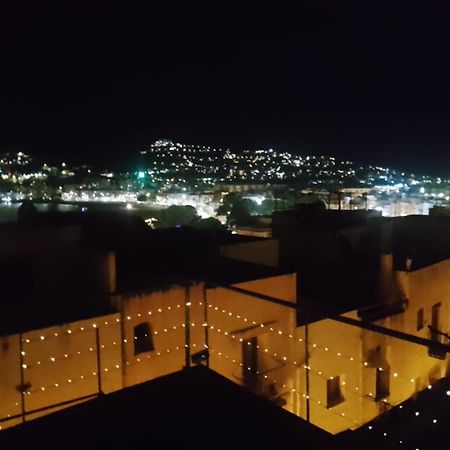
(367, 81)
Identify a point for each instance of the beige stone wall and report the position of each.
(59, 364)
(355, 354)
(424, 288)
(226, 321)
(165, 311)
(334, 350)
(234, 319)
(61, 361)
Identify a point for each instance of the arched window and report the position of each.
(143, 338)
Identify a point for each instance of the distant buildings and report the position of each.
(168, 170)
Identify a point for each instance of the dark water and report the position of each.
(8, 211)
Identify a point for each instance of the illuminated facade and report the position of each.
(337, 376)
(154, 334)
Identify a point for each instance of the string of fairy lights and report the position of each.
(314, 345)
(285, 360)
(110, 369)
(271, 329)
(49, 360)
(373, 427)
(117, 321)
(103, 323)
(282, 385)
(61, 384)
(107, 369)
(66, 356)
(93, 349)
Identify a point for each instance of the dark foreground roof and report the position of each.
(422, 422)
(194, 408)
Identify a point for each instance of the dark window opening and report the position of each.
(435, 322)
(382, 384)
(250, 362)
(334, 393)
(436, 333)
(143, 338)
(420, 319)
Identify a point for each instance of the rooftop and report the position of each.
(195, 408)
(418, 423)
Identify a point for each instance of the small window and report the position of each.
(382, 384)
(435, 323)
(143, 338)
(420, 320)
(436, 334)
(334, 393)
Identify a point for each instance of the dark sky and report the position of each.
(363, 80)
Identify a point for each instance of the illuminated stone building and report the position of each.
(335, 366)
(116, 336)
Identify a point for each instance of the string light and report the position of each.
(103, 324)
(314, 345)
(53, 359)
(297, 339)
(61, 384)
(293, 390)
(81, 329)
(351, 389)
(70, 331)
(71, 380)
(227, 314)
